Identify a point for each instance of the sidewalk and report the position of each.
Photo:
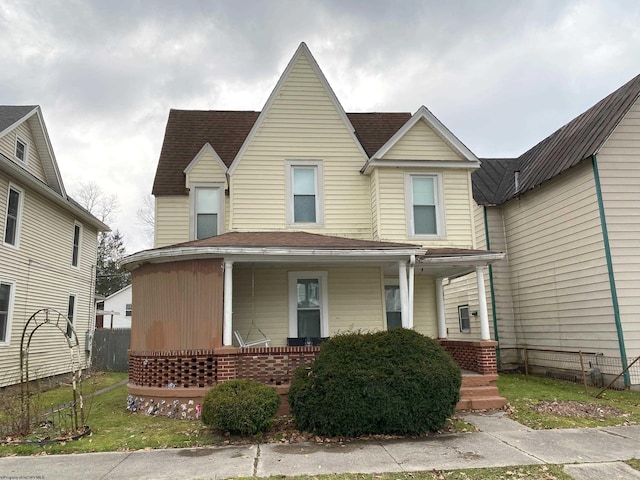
(500, 442)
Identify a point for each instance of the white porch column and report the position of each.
(411, 288)
(482, 304)
(442, 324)
(227, 325)
(404, 294)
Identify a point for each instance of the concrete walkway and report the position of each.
(500, 442)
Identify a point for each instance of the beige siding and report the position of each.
(375, 205)
(8, 148)
(425, 319)
(302, 124)
(393, 210)
(619, 168)
(43, 275)
(206, 170)
(172, 220)
(421, 143)
(558, 273)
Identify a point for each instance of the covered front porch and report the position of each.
(274, 288)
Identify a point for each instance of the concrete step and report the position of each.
(478, 380)
(488, 403)
(479, 392)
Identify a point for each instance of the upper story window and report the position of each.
(425, 212)
(207, 210)
(14, 211)
(22, 149)
(6, 302)
(304, 192)
(75, 255)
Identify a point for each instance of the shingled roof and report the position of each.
(188, 131)
(10, 114)
(578, 140)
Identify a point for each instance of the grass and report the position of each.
(635, 463)
(523, 391)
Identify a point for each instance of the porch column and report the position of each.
(442, 324)
(227, 325)
(482, 304)
(404, 294)
(411, 288)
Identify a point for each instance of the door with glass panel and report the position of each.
(309, 307)
(392, 303)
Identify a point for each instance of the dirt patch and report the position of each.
(576, 409)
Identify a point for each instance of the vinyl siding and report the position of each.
(206, 170)
(172, 220)
(421, 143)
(375, 205)
(619, 168)
(8, 148)
(393, 212)
(43, 275)
(302, 123)
(558, 272)
(425, 319)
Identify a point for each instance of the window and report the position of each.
(127, 310)
(463, 317)
(424, 205)
(308, 316)
(21, 149)
(6, 297)
(12, 225)
(70, 314)
(392, 303)
(207, 209)
(304, 192)
(75, 255)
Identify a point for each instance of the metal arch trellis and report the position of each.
(50, 316)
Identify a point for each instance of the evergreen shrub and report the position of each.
(240, 406)
(391, 382)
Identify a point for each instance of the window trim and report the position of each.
(322, 277)
(192, 206)
(20, 191)
(75, 312)
(127, 311)
(290, 165)
(460, 307)
(388, 282)
(440, 210)
(25, 142)
(12, 297)
(73, 245)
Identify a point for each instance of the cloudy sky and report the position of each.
(500, 74)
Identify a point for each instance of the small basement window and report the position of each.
(463, 318)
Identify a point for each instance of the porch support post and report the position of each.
(404, 294)
(411, 288)
(482, 304)
(227, 325)
(442, 324)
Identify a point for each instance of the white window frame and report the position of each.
(20, 191)
(128, 308)
(460, 307)
(23, 141)
(322, 278)
(439, 198)
(12, 296)
(75, 312)
(290, 165)
(192, 207)
(388, 282)
(73, 246)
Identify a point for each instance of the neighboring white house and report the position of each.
(117, 309)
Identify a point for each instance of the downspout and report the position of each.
(493, 297)
(612, 281)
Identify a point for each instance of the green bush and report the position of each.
(392, 382)
(240, 406)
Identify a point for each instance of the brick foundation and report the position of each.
(479, 357)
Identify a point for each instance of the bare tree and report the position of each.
(104, 207)
(147, 217)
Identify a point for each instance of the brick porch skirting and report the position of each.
(478, 356)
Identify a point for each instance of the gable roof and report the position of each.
(576, 141)
(188, 131)
(10, 115)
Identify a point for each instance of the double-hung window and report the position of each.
(71, 308)
(304, 192)
(207, 209)
(393, 306)
(127, 309)
(14, 210)
(75, 254)
(308, 305)
(424, 205)
(464, 319)
(22, 149)
(6, 302)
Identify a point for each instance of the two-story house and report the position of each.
(47, 253)
(282, 227)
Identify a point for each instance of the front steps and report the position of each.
(479, 392)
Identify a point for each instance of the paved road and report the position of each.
(597, 453)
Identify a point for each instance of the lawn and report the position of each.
(524, 393)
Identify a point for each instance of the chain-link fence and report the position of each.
(594, 369)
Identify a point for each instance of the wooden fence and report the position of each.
(110, 346)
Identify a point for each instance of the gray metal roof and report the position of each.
(578, 140)
(10, 114)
